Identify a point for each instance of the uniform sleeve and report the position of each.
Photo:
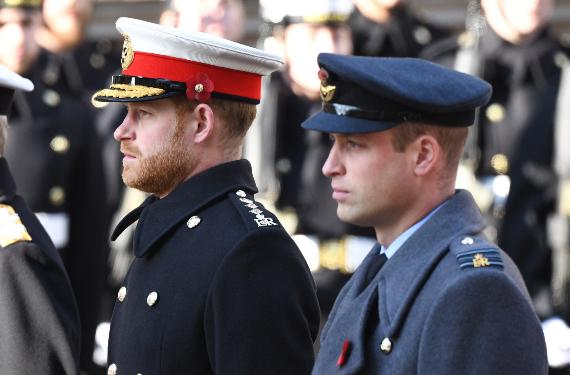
(482, 324)
(262, 314)
(37, 310)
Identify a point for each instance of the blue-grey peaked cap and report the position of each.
(368, 94)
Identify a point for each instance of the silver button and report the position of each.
(59, 144)
(467, 241)
(240, 193)
(51, 98)
(122, 294)
(386, 345)
(112, 370)
(193, 222)
(152, 298)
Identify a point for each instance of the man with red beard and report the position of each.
(217, 286)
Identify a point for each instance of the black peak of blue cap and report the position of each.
(366, 94)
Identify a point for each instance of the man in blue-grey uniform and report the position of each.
(39, 322)
(217, 286)
(434, 296)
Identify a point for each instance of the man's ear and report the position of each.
(205, 122)
(427, 154)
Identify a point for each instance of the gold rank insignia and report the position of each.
(11, 228)
(327, 91)
(127, 55)
(479, 260)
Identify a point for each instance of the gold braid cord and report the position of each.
(127, 91)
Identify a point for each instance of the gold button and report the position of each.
(112, 370)
(122, 294)
(467, 241)
(193, 222)
(500, 163)
(51, 98)
(240, 193)
(466, 40)
(57, 195)
(59, 144)
(386, 345)
(199, 88)
(495, 112)
(152, 298)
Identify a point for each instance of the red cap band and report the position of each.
(226, 81)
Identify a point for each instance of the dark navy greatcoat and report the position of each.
(448, 302)
(217, 286)
(39, 322)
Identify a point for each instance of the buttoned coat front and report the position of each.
(447, 302)
(217, 286)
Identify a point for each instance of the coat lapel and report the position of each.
(404, 275)
(158, 216)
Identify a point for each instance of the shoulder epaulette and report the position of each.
(252, 212)
(473, 252)
(11, 228)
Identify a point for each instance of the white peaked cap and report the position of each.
(160, 61)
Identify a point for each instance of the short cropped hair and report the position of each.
(451, 139)
(237, 117)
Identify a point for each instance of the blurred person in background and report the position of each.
(39, 321)
(302, 194)
(55, 157)
(391, 28)
(509, 158)
(222, 18)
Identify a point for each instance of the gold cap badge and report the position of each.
(327, 91)
(127, 55)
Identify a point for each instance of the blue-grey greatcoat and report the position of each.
(431, 311)
(217, 286)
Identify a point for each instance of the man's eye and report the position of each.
(352, 144)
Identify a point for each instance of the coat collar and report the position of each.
(157, 216)
(401, 279)
(392, 291)
(7, 184)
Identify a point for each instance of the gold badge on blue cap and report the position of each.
(327, 91)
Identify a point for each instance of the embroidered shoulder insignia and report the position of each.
(11, 228)
(476, 253)
(255, 211)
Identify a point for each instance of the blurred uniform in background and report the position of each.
(332, 248)
(55, 156)
(391, 28)
(39, 323)
(508, 161)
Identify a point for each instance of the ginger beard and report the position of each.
(160, 172)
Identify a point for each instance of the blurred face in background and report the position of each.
(385, 3)
(527, 16)
(515, 20)
(222, 18)
(67, 19)
(17, 29)
(302, 44)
